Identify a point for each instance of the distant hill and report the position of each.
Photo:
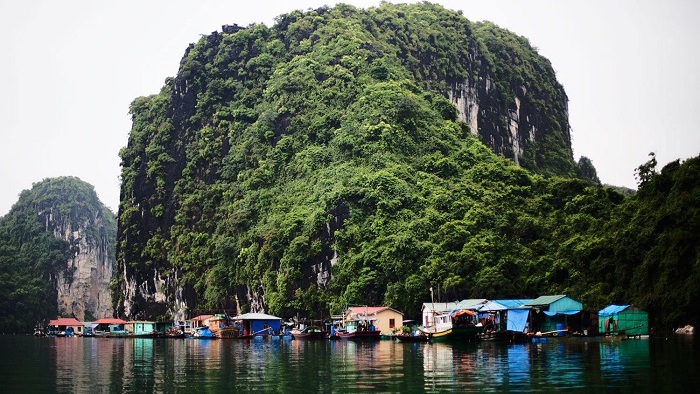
(56, 255)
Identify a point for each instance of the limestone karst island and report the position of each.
(350, 170)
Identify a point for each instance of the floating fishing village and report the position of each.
(509, 320)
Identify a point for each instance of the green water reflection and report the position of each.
(78, 365)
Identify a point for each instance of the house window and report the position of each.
(392, 323)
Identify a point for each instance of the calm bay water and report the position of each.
(95, 365)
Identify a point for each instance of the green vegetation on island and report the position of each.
(33, 249)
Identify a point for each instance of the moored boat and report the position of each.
(203, 333)
(457, 325)
(359, 329)
(173, 333)
(412, 337)
(441, 328)
(465, 325)
(311, 332)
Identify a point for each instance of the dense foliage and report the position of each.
(32, 252)
(319, 162)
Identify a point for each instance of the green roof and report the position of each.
(544, 300)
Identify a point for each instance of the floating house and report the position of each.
(385, 319)
(623, 320)
(195, 323)
(65, 326)
(554, 313)
(508, 315)
(109, 326)
(262, 324)
(164, 326)
(141, 328)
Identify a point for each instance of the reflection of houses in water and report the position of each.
(518, 366)
(615, 356)
(439, 365)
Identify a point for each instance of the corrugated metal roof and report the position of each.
(201, 317)
(514, 303)
(65, 321)
(612, 310)
(109, 320)
(256, 316)
(370, 310)
(544, 300)
(470, 303)
(439, 306)
(492, 306)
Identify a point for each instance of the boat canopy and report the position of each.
(462, 312)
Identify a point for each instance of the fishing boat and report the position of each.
(173, 333)
(203, 333)
(88, 332)
(222, 326)
(456, 325)
(310, 332)
(465, 324)
(409, 332)
(412, 337)
(361, 328)
(440, 330)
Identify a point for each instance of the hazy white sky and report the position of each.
(71, 68)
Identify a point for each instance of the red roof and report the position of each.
(368, 310)
(201, 317)
(65, 321)
(109, 320)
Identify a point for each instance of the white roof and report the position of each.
(256, 316)
(438, 306)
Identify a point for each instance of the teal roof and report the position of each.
(544, 300)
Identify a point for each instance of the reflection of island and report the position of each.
(87, 364)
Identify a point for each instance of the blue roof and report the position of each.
(612, 310)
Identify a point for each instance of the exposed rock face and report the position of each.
(509, 133)
(83, 288)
